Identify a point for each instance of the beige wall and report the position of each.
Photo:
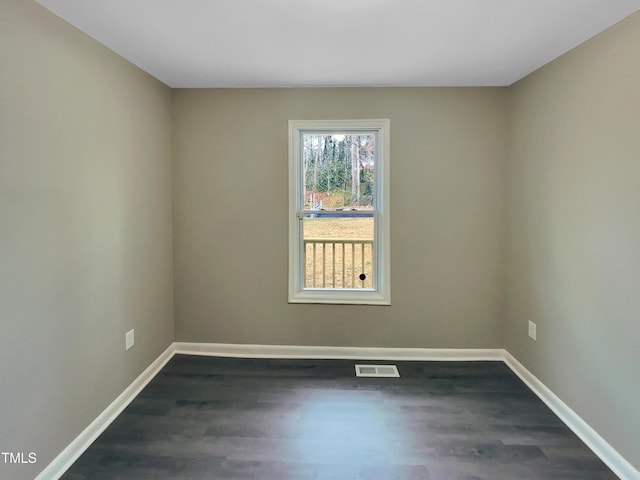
(574, 231)
(230, 217)
(85, 230)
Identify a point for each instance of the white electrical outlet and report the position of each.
(129, 340)
(532, 329)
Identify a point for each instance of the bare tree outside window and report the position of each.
(338, 170)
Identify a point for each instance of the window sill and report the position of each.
(340, 297)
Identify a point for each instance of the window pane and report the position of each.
(338, 170)
(338, 251)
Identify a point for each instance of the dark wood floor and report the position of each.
(222, 418)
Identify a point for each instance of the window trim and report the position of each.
(381, 295)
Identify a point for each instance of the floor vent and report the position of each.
(377, 371)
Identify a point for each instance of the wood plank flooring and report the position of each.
(225, 418)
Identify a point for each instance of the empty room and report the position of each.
(320, 240)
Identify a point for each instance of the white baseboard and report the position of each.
(348, 353)
(77, 447)
(588, 435)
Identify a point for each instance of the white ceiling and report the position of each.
(281, 43)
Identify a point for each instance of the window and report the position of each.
(339, 212)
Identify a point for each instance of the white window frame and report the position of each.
(381, 293)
